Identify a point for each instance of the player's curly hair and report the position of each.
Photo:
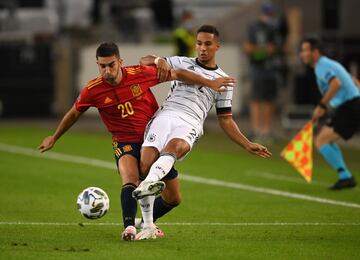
(107, 49)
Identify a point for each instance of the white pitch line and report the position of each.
(267, 190)
(104, 164)
(19, 223)
(278, 177)
(57, 156)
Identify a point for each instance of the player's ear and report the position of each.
(121, 61)
(217, 45)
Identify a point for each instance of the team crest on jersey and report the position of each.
(136, 90)
(151, 137)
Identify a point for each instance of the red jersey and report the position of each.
(126, 108)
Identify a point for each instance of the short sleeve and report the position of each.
(224, 102)
(176, 62)
(83, 101)
(326, 74)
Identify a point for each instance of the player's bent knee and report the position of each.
(177, 146)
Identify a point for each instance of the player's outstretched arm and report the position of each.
(218, 84)
(232, 130)
(164, 70)
(67, 121)
(148, 60)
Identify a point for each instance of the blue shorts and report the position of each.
(120, 149)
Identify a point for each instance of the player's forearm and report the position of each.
(66, 122)
(232, 131)
(148, 60)
(190, 78)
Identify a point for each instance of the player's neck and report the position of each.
(315, 60)
(207, 64)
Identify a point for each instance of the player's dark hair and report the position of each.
(107, 49)
(209, 29)
(315, 43)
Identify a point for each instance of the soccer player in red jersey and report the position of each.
(125, 104)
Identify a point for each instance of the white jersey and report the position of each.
(193, 102)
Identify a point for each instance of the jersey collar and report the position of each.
(205, 67)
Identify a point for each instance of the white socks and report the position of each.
(158, 170)
(147, 208)
(161, 167)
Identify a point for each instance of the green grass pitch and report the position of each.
(235, 205)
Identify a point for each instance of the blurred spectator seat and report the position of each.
(33, 16)
(27, 79)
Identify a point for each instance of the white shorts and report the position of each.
(164, 127)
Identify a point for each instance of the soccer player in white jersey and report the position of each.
(177, 125)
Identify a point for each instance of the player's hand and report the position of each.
(318, 113)
(221, 84)
(258, 149)
(47, 144)
(163, 69)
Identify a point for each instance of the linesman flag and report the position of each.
(299, 151)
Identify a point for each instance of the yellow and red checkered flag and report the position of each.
(299, 151)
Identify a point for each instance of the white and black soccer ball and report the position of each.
(93, 203)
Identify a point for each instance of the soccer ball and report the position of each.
(93, 203)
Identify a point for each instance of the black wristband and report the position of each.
(322, 105)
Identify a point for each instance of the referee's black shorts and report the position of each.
(346, 119)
